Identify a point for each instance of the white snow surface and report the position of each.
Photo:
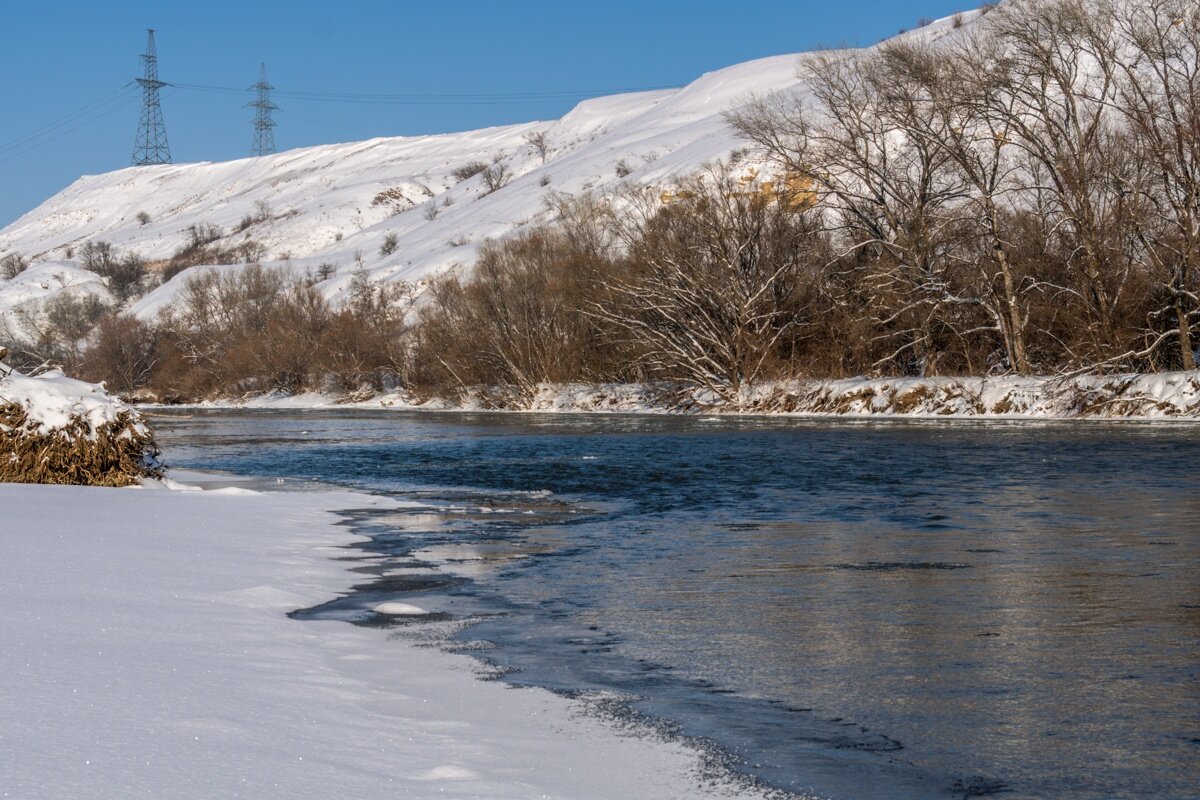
(335, 203)
(147, 653)
(397, 609)
(52, 401)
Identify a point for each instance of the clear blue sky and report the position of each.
(58, 57)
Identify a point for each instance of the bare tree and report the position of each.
(515, 322)
(13, 265)
(1158, 96)
(495, 176)
(962, 89)
(1052, 89)
(538, 142)
(124, 355)
(713, 282)
(864, 143)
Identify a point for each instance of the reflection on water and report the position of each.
(863, 609)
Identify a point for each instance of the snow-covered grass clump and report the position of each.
(54, 429)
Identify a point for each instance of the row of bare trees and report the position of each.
(229, 333)
(1044, 163)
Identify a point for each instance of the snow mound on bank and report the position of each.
(54, 403)
(1167, 395)
(1164, 395)
(54, 429)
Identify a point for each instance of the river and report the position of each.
(841, 608)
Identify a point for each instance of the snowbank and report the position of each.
(54, 429)
(155, 658)
(1162, 395)
(1171, 395)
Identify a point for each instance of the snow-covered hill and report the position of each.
(336, 204)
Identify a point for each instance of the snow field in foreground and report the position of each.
(147, 653)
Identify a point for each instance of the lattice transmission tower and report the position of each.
(264, 126)
(150, 146)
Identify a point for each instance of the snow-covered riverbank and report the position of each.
(1172, 395)
(147, 653)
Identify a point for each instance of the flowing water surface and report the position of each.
(848, 609)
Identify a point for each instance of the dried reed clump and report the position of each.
(120, 453)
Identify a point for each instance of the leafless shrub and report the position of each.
(262, 213)
(143, 218)
(203, 233)
(13, 265)
(255, 330)
(51, 334)
(252, 252)
(246, 330)
(364, 347)
(514, 323)
(495, 177)
(390, 242)
(124, 275)
(202, 247)
(124, 355)
(97, 256)
(469, 170)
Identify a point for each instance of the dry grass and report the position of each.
(117, 455)
(907, 402)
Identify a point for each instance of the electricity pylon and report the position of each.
(264, 126)
(150, 146)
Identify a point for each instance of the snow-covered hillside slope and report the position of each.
(335, 204)
(23, 299)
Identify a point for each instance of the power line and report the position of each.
(479, 98)
(122, 98)
(126, 100)
(113, 100)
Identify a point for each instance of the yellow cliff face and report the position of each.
(794, 190)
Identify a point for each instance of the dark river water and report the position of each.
(847, 609)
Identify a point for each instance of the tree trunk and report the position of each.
(1186, 353)
(1015, 341)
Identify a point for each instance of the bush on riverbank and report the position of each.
(57, 430)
